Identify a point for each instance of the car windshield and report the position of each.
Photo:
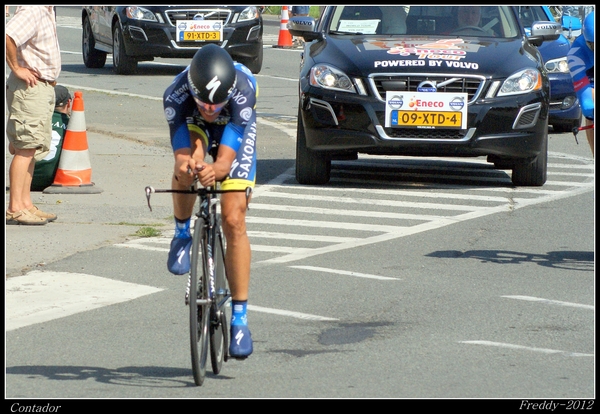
(480, 21)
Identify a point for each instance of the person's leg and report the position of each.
(589, 133)
(237, 265)
(20, 175)
(238, 254)
(178, 261)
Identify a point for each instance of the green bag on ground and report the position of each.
(45, 169)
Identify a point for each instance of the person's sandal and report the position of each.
(24, 217)
(39, 213)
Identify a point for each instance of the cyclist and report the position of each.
(581, 65)
(213, 102)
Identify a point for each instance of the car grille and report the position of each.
(207, 14)
(471, 85)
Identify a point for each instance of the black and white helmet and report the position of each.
(212, 75)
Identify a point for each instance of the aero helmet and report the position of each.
(211, 75)
(588, 28)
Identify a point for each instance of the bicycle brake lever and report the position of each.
(149, 190)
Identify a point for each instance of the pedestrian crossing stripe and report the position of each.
(44, 296)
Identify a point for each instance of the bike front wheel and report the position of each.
(199, 304)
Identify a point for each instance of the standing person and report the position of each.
(581, 65)
(33, 56)
(45, 169)
(212, 102)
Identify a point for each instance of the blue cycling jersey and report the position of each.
(235, 126)
(581, 66)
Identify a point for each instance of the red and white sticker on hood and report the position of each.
(425, 52)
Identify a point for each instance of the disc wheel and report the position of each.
(199, 307)
(219, 337)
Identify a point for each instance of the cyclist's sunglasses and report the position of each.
(210, 108)
(590, 45)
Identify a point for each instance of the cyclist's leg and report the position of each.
(179, 253)
(589, 133)
(237, 263)
(238, 254)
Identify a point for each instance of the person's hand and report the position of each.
(183, 173)
(206, 175)
(26, 75)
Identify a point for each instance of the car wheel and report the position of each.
(92, 58)
(254, 64)
(532, 174)
(122, 64)
(311, 167)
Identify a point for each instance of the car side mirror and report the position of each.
(544, 32)
(304, 27)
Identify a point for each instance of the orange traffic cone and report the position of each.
(74, 173)
(285, 38)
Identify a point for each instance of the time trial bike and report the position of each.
(207, 291)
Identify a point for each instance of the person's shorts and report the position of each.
(300, 10)
(29, 124)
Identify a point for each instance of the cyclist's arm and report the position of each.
(228, 148)
(579, 62)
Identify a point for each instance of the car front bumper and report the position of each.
(144, 40)
(343, 124)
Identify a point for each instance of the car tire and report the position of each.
(254, 64)
(532, 173)
(312, 168)
(92, 57)
(122, 64)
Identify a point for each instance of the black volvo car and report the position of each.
(141, 33)
(414, 81)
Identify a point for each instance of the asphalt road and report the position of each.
(403, 278)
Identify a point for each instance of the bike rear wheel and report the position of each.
(199, 304)
(219, 337)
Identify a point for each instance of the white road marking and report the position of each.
(298, 315)
(527, 348)
(550, 302)
(43, 296)
(344, 272)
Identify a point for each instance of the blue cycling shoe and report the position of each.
(241, 342)
(178, 262)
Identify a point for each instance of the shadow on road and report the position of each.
(164, 377)
(572, 260)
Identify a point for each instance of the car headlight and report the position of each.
(249, 13)
(328, 77)
(559, 65)
(520, 82)
(139, 13)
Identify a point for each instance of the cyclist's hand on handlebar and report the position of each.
(206, 175)
(183, 174)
